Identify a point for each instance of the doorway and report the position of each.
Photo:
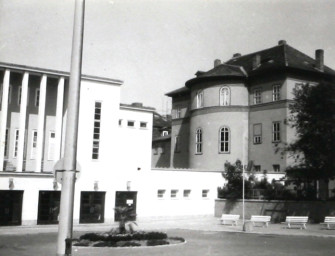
(48, 207)
(10, 207)
(92, 207)
(125, 198)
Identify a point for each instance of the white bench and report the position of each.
(329, 221)
(296, 220)
(229, 218)
(260, 219)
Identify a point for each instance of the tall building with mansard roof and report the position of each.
(239, 109)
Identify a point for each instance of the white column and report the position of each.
(59, 117)
(22, 122)
(3, 118)
(40, 123)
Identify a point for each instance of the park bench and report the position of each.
(260, 219)
(229, 218)
(296, 220)
(329, 221)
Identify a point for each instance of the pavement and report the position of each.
(200, 223)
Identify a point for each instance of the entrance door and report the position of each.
(48, 207)
(125, 198)
(10, 207)
(92, 207)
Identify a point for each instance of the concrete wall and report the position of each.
(315, 210)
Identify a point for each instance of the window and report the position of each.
(276, 92)
(205, 193)
(96, 130)
(176, 144)
(276, 131)
(224, 96)
(165, 133)
(120, 122)
(37, 97)
(16, 142)
(143, 124)
(19, 95)
(130, 123)
(187, 193)
(257, 133)
(174, 193)
(257, 96)
(200, 99)
(160, 193)
(6, 143)
(276, 167)
(257, 168)
(33, 145)
(52, 146)
(178, 112)
(198, 141)
(224, 140)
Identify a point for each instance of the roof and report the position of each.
(52, 72)
(278, 56)
(136, 106)
(180, 91)
(281, 56)
(161, 122)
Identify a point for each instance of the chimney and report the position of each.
(319, 59)
(281, 42)
(236, 55)
(217, 62)
(256, 61)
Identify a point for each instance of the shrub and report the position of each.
(101, 244)
(176, 238)
(82, 243)
(128, 244)
(92, 237)
(157, 242)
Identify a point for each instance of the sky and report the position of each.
(155, 46)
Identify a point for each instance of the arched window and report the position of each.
(224, 143)
(198, 141)
(224, 96)
(200, 99)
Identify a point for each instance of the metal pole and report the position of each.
(70, 153)
(243, 194)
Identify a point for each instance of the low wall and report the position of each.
(315, 210)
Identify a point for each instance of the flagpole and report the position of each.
(70, 152)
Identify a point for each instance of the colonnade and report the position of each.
(23, 115)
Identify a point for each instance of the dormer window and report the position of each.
(200, 99)
(224, 96)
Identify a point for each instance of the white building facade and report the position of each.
(114, 154)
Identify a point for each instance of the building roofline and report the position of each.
(138, 108)
(52, 72)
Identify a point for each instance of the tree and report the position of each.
(313, 117)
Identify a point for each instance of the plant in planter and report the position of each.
(126, 215)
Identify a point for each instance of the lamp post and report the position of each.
(70, 154)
